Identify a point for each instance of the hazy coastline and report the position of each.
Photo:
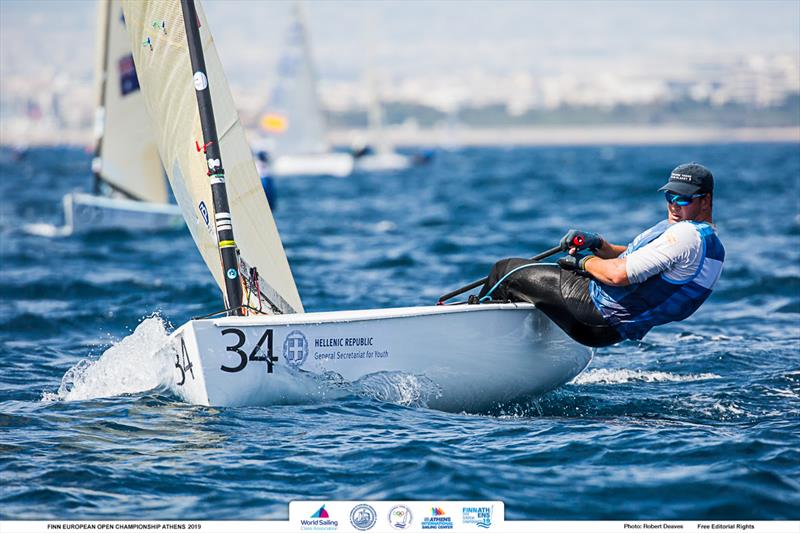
(449, 139)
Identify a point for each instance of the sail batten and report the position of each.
(158, 38)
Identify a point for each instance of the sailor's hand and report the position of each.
(574, 262)
(576, 240)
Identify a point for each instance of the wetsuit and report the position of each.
(672, 269)
(562, 295)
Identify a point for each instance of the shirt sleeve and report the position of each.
(672, 253)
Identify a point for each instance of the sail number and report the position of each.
(260, 352)
(183, 363)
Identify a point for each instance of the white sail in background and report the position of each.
(382, 156)
(294, 119)
(128, 155)
(156, 30)
(375, 116)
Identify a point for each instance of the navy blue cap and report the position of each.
(690, 178)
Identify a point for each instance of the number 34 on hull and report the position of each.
(473, 356)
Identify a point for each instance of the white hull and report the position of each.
(381, 162)
(87, 212)
(466, 357)
(335, 164)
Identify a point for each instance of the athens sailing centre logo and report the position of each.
(437, 520)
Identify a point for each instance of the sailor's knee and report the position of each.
(504, 266)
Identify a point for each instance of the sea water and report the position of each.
(700, 420)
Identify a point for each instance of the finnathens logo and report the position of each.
(363, 517)
(477, 516)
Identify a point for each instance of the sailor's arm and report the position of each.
(609, 251)
(675, 251)
(611, 271)
(676, 246)
(576, 240)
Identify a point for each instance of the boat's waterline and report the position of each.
(339, 165)
(474, 356)
(87, 212)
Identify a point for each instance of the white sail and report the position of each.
(294, 119)
(383, 156)
(127, 152)
(375, 117)
(158, 37)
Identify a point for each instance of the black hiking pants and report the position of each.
(562, 295)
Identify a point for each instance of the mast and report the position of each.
(216, 173)
(100, 110)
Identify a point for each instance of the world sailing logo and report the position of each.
(319, 521)
(321, 513)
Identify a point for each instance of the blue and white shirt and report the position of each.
(672, 269)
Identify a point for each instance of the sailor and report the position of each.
(621, 292)
(262, 166)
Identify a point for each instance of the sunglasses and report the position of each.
(681, 199)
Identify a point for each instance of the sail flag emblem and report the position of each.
(274, 123)
(128, 81)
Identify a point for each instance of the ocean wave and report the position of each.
(610, 376)
(397, 387)
(130, 366)
(42, 229)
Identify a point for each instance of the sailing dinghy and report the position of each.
(295, 123)
(379, 155)
(267, 350)
(130, 190)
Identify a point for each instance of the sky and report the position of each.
(430, 38)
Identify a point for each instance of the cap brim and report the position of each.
(680, 187)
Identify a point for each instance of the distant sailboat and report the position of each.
(294, 124)
(378, 154)
(130, 189)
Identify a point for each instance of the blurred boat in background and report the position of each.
(130, 189)
(294, 124)
(376, 153)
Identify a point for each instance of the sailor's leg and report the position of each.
(589, 326)
(563, 296)
(499, 270)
